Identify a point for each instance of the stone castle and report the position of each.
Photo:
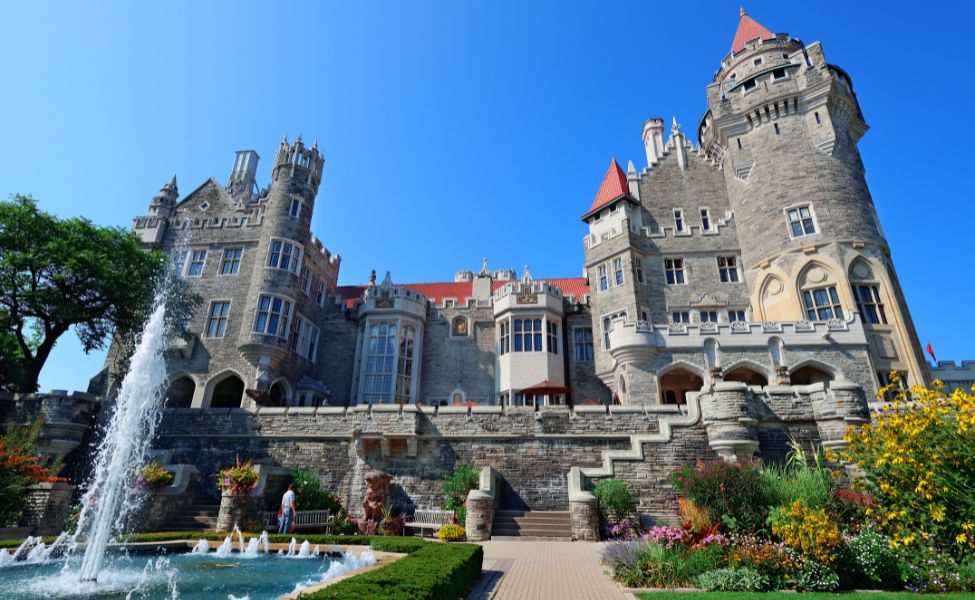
(737, 293)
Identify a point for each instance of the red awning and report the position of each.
(546, 388)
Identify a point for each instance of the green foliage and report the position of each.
(456, 485)
(56, 274)
(614, 500)
(432, 572)
(867, 561)
(800, 480)
(677, 566)
(451, 533)
(814, 576)
(732, 579)
(731, 492)
(310, 493)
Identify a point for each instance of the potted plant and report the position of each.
(236, 501)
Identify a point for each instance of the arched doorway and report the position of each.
(746, 375)
(675, 383)
(278, 394)
(228, 393)
(179, 394)
(809, 374)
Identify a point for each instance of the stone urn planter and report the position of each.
(235, 508)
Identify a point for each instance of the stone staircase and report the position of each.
(201, 515)
(531, 524)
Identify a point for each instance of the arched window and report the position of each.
(380, 355)
(228, 393)
(675, 384)
(746, 375)
(866, 292)
(277, 395)
(404, 369)
(179, 394)
(819, 297)
(809, 374)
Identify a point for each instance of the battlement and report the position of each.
(954, 375)
(298, 161)
(593, 240)
(317, 245)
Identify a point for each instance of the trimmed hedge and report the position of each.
(430, 571)
(435, 571)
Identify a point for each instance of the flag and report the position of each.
(931, 352)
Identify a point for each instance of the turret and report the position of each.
(783, 124)
(163, 204)
(299, 164)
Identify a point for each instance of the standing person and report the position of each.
(287, 510)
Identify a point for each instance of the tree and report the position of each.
(61, 273)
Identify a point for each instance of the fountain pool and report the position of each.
(186, 576)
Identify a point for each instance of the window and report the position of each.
(552, 337)
(179, 261)
(822, 304)
(739, 142)
(776, 125)
(728, 269)
(758, 61)
(294, 210)
(603, 281)
(217, 321)
(736, 315)
(801, 221)
(709, 316)
(272, 316)
(231, 261)
(404, 366)
(705, 219)
(678, 220)
(749, 85)
(869, 304)
(528, 335)
(284, 255)
(305, 279)
(305, 340)
(608, 324)
(674, 268)
(681, 316)
(898, 378)
(638, 267)
(644, 316)
(296, 333)
(505, 338)
(818, 122)
(319, 291)
(583, 338)
(779, 73)
(379, 363)
(197, 260)
(618, 270)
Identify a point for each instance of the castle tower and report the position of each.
(163, 204)
(783, 124)
(278, 292)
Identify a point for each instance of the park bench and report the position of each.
(304, 519)
(429, 519)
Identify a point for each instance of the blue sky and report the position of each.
(455, 131)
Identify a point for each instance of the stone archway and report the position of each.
(809, 373)
(179, 393)
(747, 375)
(228, 392)
(675, 383)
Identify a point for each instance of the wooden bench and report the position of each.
(429, 519)
(304, 519)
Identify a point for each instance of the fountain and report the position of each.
(130, 431)
(226, 547)
(201, 547)
(305, 550)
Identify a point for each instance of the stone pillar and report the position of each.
(732, 431)
(583, 508)
(235, 509)
(836, 409)
(47, 505)
(480, 507)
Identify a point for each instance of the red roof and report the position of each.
(461, 290)
(614, 185)
(748, 30)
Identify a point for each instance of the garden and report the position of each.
(894, 510)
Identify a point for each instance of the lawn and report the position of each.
(791, 595)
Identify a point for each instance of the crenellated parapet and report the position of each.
(67, 417)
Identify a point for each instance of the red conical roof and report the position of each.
(748, 30)
(614, 185)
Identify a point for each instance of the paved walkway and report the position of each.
(543, 571)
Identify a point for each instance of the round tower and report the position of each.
(783, 124)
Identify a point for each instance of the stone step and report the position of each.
(531, 538)
(541, 520)
(522, 513)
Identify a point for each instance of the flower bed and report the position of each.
(907, 522)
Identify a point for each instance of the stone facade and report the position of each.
(737, 294)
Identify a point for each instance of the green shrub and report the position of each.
(731, 492)
(800, 480)
(451, 533)
(677, 566)
(732, 579)
(432, 572)
(868, 562)
(614, 500)
(456, 485)
(310, 493)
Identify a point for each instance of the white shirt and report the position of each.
(288, 498)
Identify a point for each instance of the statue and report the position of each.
(376, 496)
